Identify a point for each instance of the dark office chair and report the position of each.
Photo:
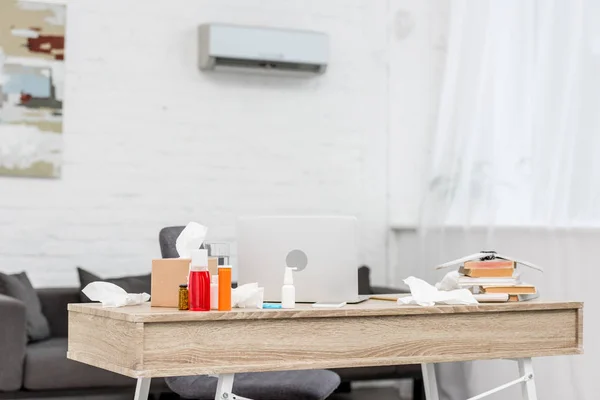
(284, 385)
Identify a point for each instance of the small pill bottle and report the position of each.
(184, 300)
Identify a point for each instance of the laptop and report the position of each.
(322, 249)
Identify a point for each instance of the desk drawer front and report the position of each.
(186, 348)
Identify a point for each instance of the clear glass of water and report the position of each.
(219, 250)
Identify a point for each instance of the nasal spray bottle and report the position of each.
(288, 291)
(199, 281)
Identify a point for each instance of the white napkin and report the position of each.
(425, 294)
(247, 296)
(111, 295)
(190, 238)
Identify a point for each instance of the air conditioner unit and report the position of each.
(267, 50)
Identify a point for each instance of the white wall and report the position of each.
(150, 141)
(417, 54)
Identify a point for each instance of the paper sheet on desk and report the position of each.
(424, 294)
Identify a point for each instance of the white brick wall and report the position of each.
(150, 141)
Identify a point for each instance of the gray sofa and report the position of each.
(41, 369)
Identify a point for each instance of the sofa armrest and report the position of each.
(54, 307)
(13, 340)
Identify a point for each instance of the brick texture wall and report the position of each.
(150, 141)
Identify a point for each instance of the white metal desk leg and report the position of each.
(527, 387)
(430, 382)
(225, 387)
(142, 389)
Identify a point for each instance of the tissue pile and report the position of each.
(424, 294)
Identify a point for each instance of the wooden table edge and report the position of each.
(132, 373)
(171, 315)
(183, 371)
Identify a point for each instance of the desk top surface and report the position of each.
(145, 313)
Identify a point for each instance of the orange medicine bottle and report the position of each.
(224, 287)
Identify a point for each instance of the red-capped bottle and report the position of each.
(199, 281)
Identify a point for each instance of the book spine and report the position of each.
(489, 264)
(487, 272)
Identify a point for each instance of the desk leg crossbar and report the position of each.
(526, 380)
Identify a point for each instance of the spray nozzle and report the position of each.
(288, 277)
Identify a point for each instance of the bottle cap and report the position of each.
(224, 266)
(288, 277)
(183, 285)
(199, 260)
(214, 279)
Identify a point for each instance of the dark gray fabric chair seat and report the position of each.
(47, 368)
(381, 372)
(280, 385)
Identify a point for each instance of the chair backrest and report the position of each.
(167, 238)
(364, 280)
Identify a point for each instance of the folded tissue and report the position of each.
(247, 296)
(190, 238)
(111, 295)
(424, 294)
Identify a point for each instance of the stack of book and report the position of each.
(494, 280)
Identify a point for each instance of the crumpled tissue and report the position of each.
(425, 294)
(190, 238)
(247, 296)
(111, 295)
(449, 282)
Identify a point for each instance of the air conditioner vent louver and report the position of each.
(266, 65)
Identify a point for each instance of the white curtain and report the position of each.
(516, 168)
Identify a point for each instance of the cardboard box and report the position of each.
(167, 275)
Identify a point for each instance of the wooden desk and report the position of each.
(144, 342)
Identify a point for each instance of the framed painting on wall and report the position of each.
(32, 71)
